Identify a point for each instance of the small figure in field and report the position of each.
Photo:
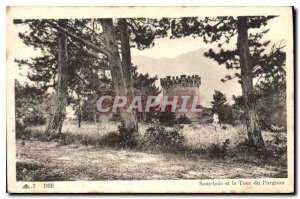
(216, 121)
(216, 124)
(215, 118)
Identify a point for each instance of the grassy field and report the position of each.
(40, 160)
(197, 136)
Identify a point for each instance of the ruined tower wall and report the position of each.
(182, 86)
(181, 91)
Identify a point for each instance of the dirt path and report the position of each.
(40, 161)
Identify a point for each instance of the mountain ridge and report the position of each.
(191, 63)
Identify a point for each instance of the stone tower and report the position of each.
(182, 86)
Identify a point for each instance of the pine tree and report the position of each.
(80, 76)
(144, 86)
(84, 36)
(222, 108)
(221, 30)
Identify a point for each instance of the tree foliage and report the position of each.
(222, 108)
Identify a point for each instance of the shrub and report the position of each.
(21, 131)
(183, 119)
(127, 137)
(277, 146)
(69, 138)
(158, 137)
(222, 108)
(166, 118)
(123, 138)
(272, 109)
(111, 139)
(246, 149)
(35, 118)
(217, 151)
(274, 152)
(19, 128)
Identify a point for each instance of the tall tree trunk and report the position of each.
(95, 117)
(94, 110)
(119, 80)
(56, 122)
(253, 126)
(126, 60)
(126, 55)
(79, 111)
(79, 116)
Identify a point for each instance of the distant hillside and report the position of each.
(192, 63)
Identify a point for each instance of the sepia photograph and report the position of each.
(150, 100)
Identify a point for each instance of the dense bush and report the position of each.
(278, 146)
(159, 137)
(21, 131)
(127, 137)
(123, 138)
(247, 148)
(33, 105)
(183, 119)
(35, 118)
(274, 152)
(271, 107)
(167, 118)
(111, 139)
(217, 151)
(221, 107)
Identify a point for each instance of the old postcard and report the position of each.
(150, 100)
